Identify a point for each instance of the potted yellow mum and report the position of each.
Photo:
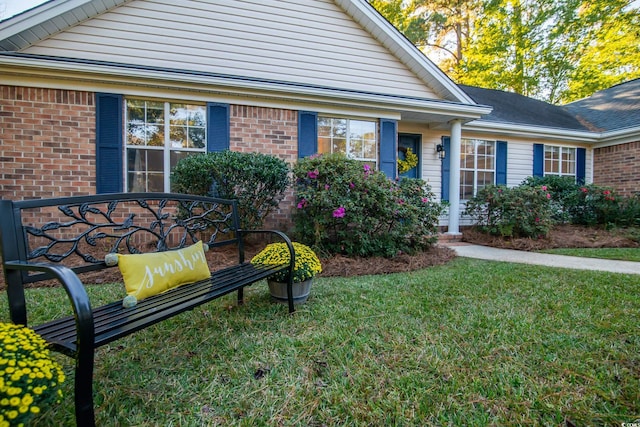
(307, 266)
(29, 378)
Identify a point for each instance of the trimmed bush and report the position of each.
(345, 207)
(523, 211)
(256, 180)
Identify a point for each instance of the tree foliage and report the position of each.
(554, 50)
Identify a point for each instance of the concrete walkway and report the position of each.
(562, 261)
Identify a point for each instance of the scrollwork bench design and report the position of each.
(58, 239)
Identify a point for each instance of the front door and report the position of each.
(408, 141)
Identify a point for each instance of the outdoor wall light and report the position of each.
(440, 151)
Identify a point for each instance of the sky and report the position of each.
(8, 8)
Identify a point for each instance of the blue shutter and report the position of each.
(446, 167)
(109, 143)
(218, 127)
(501, 162)
(307, 133)
(388, 147)
(538, 159)
(581, 165)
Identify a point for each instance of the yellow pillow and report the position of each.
(150, 274)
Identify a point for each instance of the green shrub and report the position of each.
(523, 211)
(257, 181)
(594, 205)
(589, 205)
(345, 207)
(630, 212)
(562, 190)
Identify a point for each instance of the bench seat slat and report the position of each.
(113, 321)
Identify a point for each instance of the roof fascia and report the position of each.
(25, 24)
(540, 132)
(391, 38)
(620, 136)
(91, 71)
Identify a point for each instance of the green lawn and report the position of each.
(471, 343)
(624, 254)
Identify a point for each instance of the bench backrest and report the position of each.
(79, 231)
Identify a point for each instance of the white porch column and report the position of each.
(454, 177)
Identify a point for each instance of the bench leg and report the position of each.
(85, 416)
(290, 296)
(241, 296)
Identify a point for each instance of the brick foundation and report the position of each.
(618, 166)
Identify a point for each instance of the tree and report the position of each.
(554, 50)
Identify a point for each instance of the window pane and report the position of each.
(179, 114)
(154, 135)
(339, 145)
(568, 161)
(155, 112)
(178, 135)
(356, 148)
(136, 134)
(176, 156)
(466, 185)
(155, 182)
(197, 137)
(136, 170)
(370, 150)
(484, 179)
(324, 145)
(357, 139)
(551, 160)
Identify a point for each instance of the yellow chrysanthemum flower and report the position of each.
(307, 264)
(29, 378)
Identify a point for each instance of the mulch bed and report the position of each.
(565, 236)
(562, 236)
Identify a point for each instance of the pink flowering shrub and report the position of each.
(344, 206)
(589, 205)
(522, 211)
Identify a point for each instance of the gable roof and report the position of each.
(509, 107)
(615, 108)
(39, 25)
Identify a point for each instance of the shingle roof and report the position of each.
(509, 107)
(617, 107)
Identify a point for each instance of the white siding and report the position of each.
(519, 159)
(311, 42)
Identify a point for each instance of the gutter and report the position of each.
(541, 132)
(108, 72)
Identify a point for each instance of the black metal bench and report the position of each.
(60, 239)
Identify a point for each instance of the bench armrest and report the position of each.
(292, 259)
(74, 289)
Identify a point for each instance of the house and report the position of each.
(107, 95)
(614, 114)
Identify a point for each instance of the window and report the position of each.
(477, 166)
(358, 139)
(158, 135)
(560, 161)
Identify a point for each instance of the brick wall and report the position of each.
(48, 143)
(618, 167)
(268, 131)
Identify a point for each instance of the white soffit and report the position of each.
(49, 18)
